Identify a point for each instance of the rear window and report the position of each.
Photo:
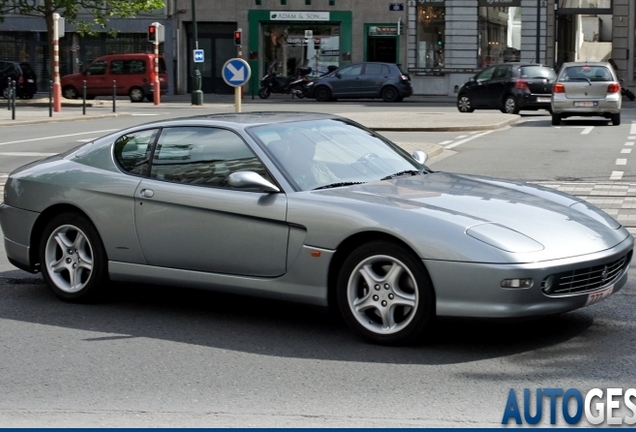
(585, 73)
(531, 72)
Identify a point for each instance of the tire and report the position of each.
(322, 94)
(616, 119)
(264, 92)
(390, 94)
(5, 93)
(510, 106)
(556, 119)
(70, 92)
(136, 94)
(72, 258)
(400, 304)
(464, 104)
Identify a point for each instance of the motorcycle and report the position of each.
(274, 83)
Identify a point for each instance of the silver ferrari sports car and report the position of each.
(310, 208)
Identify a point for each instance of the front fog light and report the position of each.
(516, 283)
(547, 284)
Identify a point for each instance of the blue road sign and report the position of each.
(396, 7)
(236, 72)
(198, 55)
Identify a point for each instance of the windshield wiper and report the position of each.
(401, 173)
(339, 184)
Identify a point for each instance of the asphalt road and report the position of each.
(159, 356)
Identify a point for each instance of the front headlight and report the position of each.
(309, 84)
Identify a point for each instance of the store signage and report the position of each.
(298, 16)
(382, 30)
(443, 71)
(498, 3)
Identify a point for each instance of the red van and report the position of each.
(133, 75)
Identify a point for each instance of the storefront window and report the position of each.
(499, 34)
(286, 48)
(585, 4)
(430, 35)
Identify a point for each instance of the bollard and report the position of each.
(51, 98)
(13, 100)
(114, 94)
(84, 98)
(8, 94)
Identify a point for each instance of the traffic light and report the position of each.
(440, 40)
(152, 33)
(237, 37)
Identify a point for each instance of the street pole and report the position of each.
(57, 87)
(538, 32)
(156, 91)
(197, 94)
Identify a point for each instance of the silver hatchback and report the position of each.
(586, 89)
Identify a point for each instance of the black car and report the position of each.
(23, 75)
(363, 80)
(510, 87)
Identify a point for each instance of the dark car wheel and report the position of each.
(72, 258)
(264, 92)
(616, 119)
(322, 94)
(136, 94)
(556, 119)
(510, 106)
(390, 94)
(384, 293)
(69, 92)
(464, 104)
(6, 93)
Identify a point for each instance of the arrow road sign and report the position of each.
(198, 55)
(236, 72)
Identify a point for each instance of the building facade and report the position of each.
(441, 43)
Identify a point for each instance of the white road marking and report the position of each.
(632, 130)
(458, 143)
(27, 154)
(56, 137)
(616, 175)
(627, 151)
(446, 142)
(629, 143)
(621, 161)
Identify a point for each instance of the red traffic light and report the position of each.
(237, 37)
(152, 33)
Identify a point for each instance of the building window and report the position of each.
(499, 35)
(431, 33)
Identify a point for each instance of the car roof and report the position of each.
(127, 55)
(246, 119)
(586, 63)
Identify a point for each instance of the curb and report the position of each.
(17, 122)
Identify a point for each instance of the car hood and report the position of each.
(511, 216)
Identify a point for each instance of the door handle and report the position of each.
(147, 193)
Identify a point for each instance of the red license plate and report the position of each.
(598, 296)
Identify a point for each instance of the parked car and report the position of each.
(509, 87)
(133, 74)
(26, 83)
(586, 89)
(311, 208)
(363, 80)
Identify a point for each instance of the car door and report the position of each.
(374, 75)
(497, 86)
(188, 217)
(478, 88)
(96, 80)
(346, 81)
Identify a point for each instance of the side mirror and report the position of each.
(338, 75)
(250, 179)
(420, 156)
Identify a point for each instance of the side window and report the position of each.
(373, 69)
(136, 67)
(351, 70)
(97, 68)
(117, 67)
(202, 156)
(485, 75)
(132, 151)
(503, 72)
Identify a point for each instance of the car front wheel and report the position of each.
(510, 106)
(464, 104)
(72, 258)
(322, 94)
(384, 293)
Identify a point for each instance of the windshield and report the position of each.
(331, 152)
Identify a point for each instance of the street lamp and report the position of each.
(197, 94)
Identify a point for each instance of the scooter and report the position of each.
(274, 83)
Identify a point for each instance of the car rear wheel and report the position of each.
(510, 106)
(556, 119)
(616, 119)
(464, 104)
(390, 94)
(384, 293)
(69, 92)
(136, 94)
(72, 258)
(322, 94)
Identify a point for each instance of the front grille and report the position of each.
(589, 278)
